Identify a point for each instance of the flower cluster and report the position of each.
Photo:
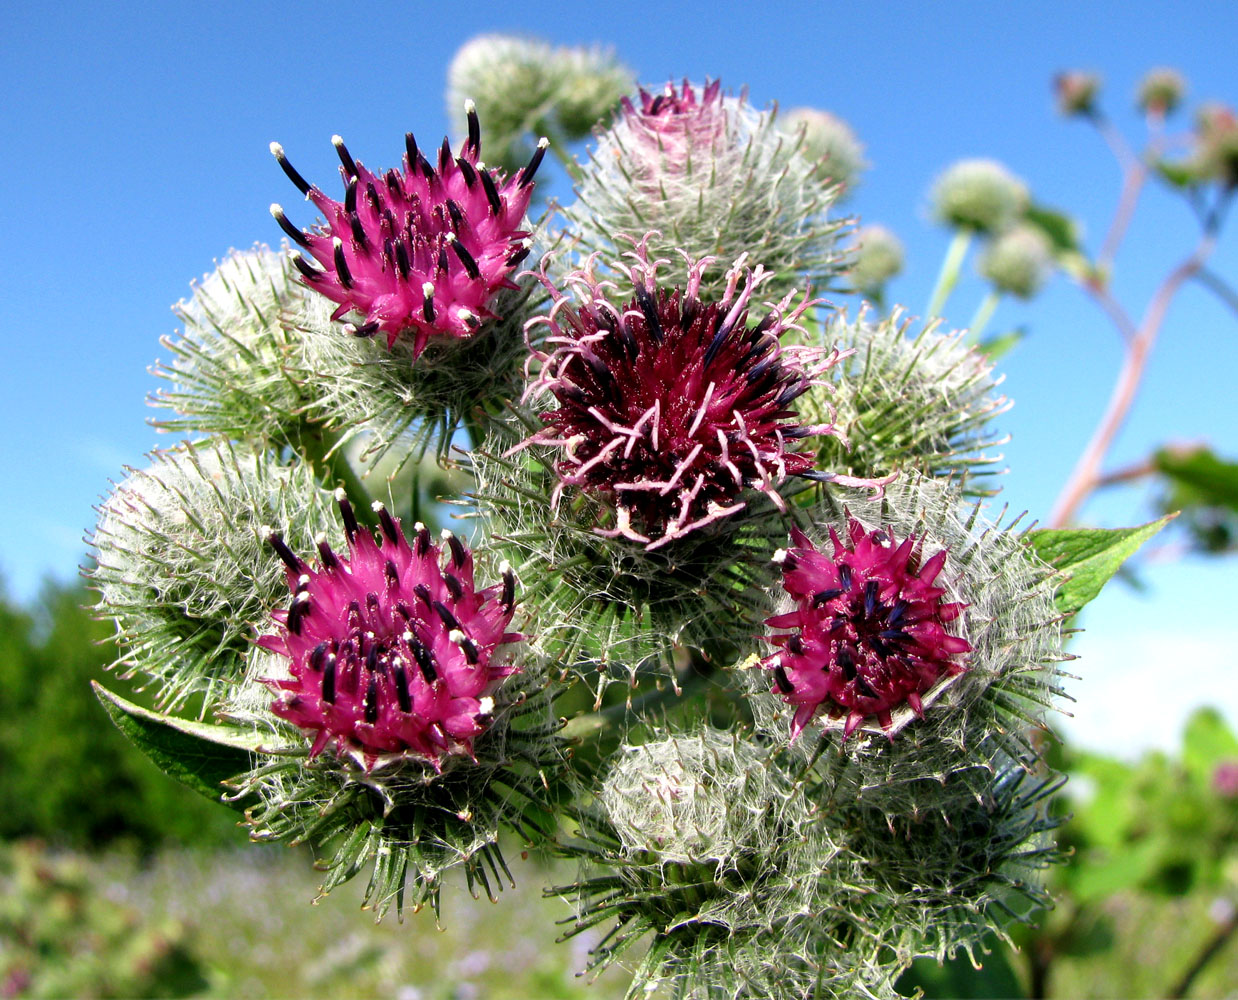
(392, 648)
(665, 408)
(418, 252)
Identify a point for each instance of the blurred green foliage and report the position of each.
(69, 776)
(1155, 847)
(59, 937)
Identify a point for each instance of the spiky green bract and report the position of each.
(702, 846)
(609, 601)
(523, 87)
(922, 401)
(1017, 262)
(979, 194)
(948, 876)
(712, 176)
(984, 714)
(406, 820)
(406, 406)
(260, 359)
(182, 565)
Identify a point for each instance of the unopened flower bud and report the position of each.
(1017, 262)
(1076, 92)
(979, 194)
(828, 140)
(1161, 91)
(878, 258)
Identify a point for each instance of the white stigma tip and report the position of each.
(505, 567)
(779, 557)
(377, 507)
(277, 209)
(303, 597)
(320, 538)
(450, 237)
(543, 143)
(337, 141)
(419, 527)
(480, 164)
(469, 106)
(303, 580)
(467, 314)
(277, 150)
(337, 243)
(266, 531)
(486, 705)
(456, 636)
(427, 289)
(446, 535)
(408, 637)
(340, 495)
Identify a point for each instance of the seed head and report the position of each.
(392, 649)
(674, 407)
(419, 252)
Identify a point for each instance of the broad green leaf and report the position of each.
(1207, 742)
(1214, 481)
(198, 754)
(1094, 877)
(1059, 228)
(1089, 557)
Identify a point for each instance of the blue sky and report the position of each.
(137, 154)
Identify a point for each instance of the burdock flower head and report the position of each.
(392, 650)
(870, 635)
(673, 407)
(921, 639)
(419, 252)
(712, 175)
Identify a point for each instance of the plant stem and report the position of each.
(949, 274)
(594, 724)
(1085, 476)
(322, 449)
(1211, 948)
(984, 313)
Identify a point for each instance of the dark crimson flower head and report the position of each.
(868, 632)
(672, 408)
(418, 252)
(392, 649)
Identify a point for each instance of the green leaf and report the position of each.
(197, 754)
(1214, 481)
(1059, 228)
(1181, 174)
(1088, 557)
(1001, 344)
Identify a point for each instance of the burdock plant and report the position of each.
(688, 474)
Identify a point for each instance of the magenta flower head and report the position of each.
(392, 650)
(869, 632)
(419, 252)
(672, 407)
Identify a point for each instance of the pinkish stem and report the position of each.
(1086, 475)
